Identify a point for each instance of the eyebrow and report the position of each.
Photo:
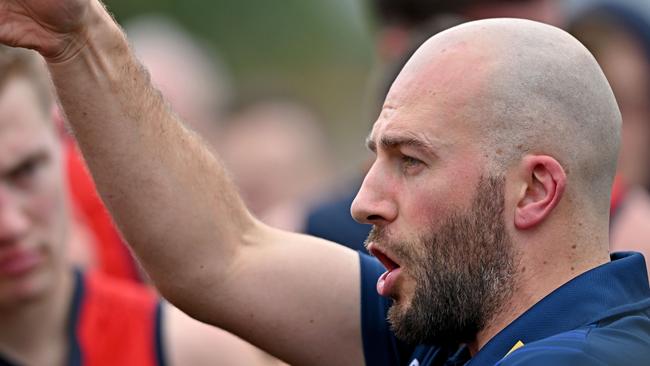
(31, 157)
(393, 142)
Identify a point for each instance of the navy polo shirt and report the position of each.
(601, 317)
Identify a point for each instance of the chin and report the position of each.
(28, 289)
(398, 314)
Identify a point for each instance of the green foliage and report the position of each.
(319, 50)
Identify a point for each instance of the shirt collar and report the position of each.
(621, 284)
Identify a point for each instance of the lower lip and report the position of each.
(19, 263)
(387, 281)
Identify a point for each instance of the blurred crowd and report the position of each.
(278, 152)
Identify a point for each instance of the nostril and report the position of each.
(374, 218)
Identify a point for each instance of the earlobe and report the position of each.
(545, 184)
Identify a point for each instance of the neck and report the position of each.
(528, 289)
(36, 332)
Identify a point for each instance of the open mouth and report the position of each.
(387, 282)
(383, 257)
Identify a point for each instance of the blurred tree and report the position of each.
(320, 50)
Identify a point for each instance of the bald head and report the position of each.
(523, 88)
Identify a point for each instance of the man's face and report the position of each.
(33, 209)
(464, 270)
(438, 216)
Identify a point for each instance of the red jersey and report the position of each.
(115, 322)
(112, 322)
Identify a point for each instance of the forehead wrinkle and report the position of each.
(393, 140)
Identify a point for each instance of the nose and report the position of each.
(375, 204)
(14, 223)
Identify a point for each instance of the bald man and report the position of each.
(489, 196)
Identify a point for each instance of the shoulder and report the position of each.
(568, 348)
(625, 341)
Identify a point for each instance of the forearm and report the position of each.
(168, 194)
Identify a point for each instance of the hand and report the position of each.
(56, 29)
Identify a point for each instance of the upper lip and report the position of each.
(384, 256)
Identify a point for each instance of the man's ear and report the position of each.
(544, 182)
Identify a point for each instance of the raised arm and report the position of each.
(294, 296)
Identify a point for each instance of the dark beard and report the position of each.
(464, 271)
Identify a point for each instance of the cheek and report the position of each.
(431, 202)
(426, 210)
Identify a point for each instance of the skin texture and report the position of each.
(435, 139)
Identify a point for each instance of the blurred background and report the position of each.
(320, 51)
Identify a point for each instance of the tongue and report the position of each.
(386, 281)
(380, 283)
